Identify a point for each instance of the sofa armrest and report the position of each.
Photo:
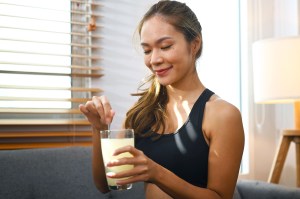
(249, 189)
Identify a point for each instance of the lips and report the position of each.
(162, 72)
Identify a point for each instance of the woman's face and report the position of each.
(166, 52)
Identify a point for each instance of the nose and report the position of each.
(156, 58)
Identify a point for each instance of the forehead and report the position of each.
(157, 27)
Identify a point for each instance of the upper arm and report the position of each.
(224, 130)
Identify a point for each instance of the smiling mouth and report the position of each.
(162, 72)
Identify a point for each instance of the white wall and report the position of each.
(268, 19)
(220, 33)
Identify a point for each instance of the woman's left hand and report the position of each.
(145, 169)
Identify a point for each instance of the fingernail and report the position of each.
(110, 174)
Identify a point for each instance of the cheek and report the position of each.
(147, 61)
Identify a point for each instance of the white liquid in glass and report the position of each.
(108, 147)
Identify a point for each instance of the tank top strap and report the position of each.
(196, 116)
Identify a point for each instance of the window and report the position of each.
(40, 40)
(47, 62)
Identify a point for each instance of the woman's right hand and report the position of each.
(98, 111)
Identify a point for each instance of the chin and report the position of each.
(164, 83)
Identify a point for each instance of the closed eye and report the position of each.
(166, 47)
(146, 52)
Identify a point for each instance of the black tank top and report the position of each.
(184, 152)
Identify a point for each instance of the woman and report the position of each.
(189, 142)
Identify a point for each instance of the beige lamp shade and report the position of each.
(276, 70)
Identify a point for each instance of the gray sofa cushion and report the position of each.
(60, 173)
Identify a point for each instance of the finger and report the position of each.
(121, 161)
(133, 179)
(124, 174)
(83, 109)
(109, 113)
(90, 107)
(136, 170)
(99, 108)
(132, 150)
(104, 109)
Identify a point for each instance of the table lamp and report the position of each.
(276, 77)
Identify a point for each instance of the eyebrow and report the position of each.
(158, 41)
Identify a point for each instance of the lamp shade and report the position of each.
(276, 70)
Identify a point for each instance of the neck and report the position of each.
(187, 91)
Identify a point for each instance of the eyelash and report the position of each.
(163, 48)
(166, 47)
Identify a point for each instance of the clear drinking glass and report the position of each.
(110, 141)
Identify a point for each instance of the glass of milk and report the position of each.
(110, 141)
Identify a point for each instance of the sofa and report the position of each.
(65, 173)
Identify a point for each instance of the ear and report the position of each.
(196, 44)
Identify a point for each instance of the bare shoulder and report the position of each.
(219, 107)
(221, 116)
